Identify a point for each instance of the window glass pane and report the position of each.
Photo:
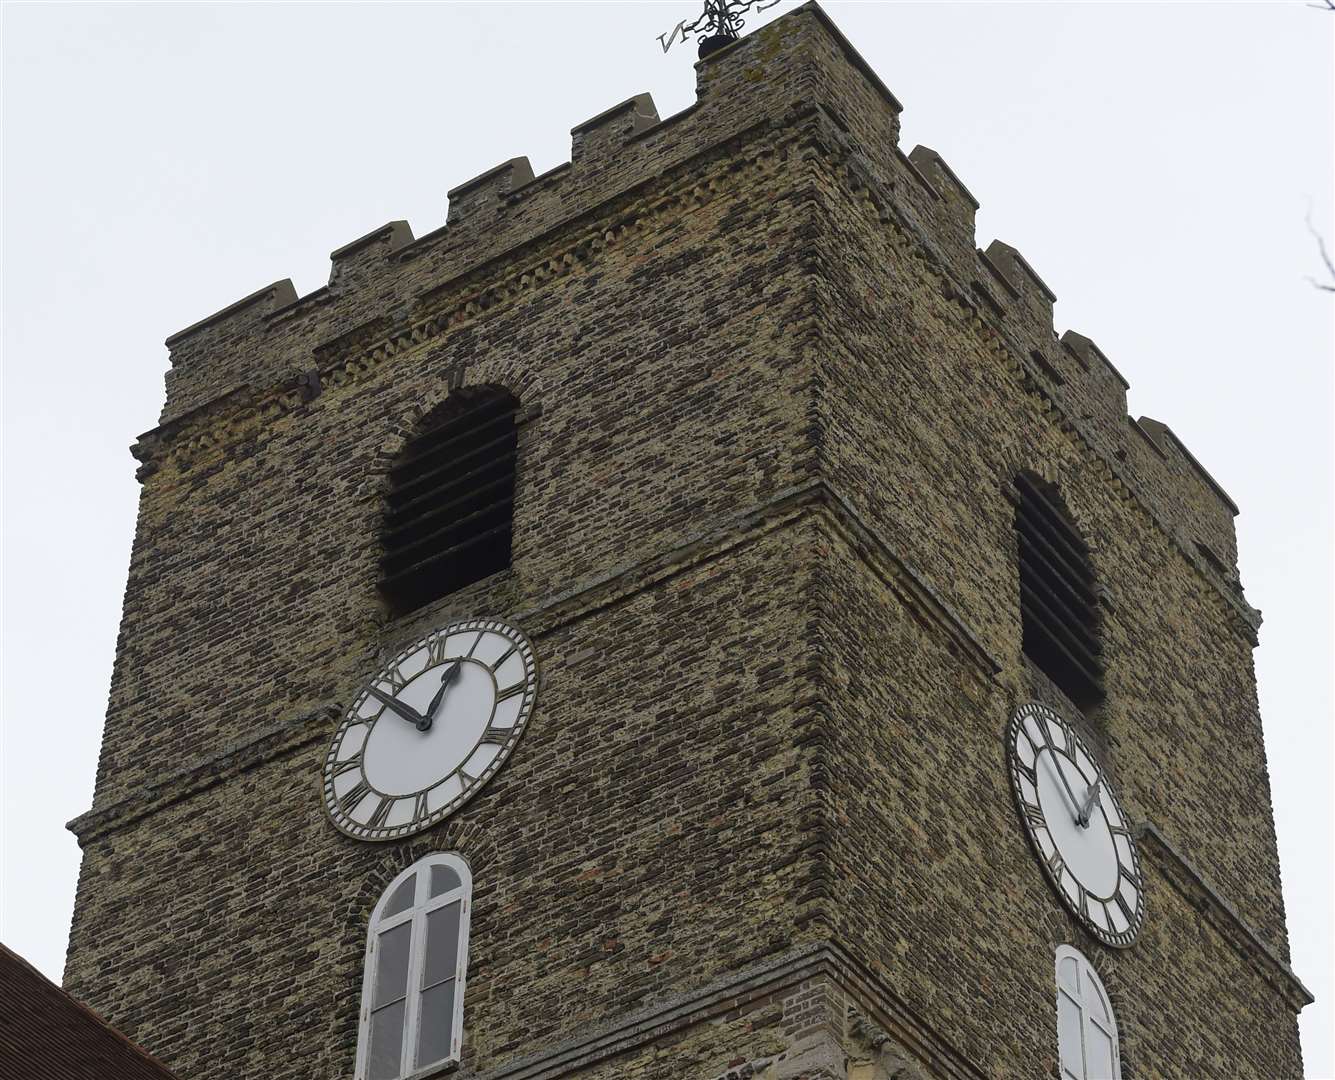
(402, 899)
(434, 1036)
(1100, 1054)
(1066, 973)
(386, 1043)
(1068, 1035)
(391, 976)
(443, 879)
(442, 944)
(1095, 1003)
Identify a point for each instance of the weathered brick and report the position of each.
(773, 398)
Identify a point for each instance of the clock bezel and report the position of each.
(342, 821)
(1115, 939)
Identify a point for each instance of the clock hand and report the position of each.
(445, 681)
(1090, 800)
(1075, 803)
(395, 705)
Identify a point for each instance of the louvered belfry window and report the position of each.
(449, 511)
(1057, 598)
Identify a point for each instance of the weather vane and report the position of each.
(718, 25)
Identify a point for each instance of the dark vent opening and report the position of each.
(1058, 602)
(449, 509)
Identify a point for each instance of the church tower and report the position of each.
(687, 617)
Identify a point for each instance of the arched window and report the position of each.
(413, 987)
(1058, 609)
(1086, 1029)
(449, 510)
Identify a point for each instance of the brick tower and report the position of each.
(797, 502)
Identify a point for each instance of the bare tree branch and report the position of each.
(1325, 257)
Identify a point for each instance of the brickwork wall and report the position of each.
(646, 835)
(926, 430)
(772, 399)
(936, 887)
(252, 582)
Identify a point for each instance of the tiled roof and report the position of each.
(46, 1035)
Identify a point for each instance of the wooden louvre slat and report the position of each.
(1034, 566)
(1057, 598)
(1076, 646)
(457, 426)
(448, 514)
(445, 557)
(430, 460)
(488, 457)
(446, 535)
(1069, 560)
(1052, 525)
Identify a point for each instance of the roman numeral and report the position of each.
(1029, 774)
(395, 679)
(377, 818)
(1069, 733)
(341, 767)
(435, 651)
(1126, 908)
(1034, 815)
(510, 691)
(1084, 902)
(1055, 864)
(467, 777)
(504, 657)
(419, 809)
(497, 735)
(355, 795)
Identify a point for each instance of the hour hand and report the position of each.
(1090, 800)
(404, 710)
(445, 680)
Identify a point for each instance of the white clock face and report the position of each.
(426, 732)
(1076, 824)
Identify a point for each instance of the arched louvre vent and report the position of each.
(449, 511)
(1057, 599)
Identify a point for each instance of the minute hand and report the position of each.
(1075, 803)
(395, 705)
(1090, 800)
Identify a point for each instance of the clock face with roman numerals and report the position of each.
(428, 730)
(1076, 824)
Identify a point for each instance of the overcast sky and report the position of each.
(1154, 162)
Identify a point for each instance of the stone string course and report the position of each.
(773, 400)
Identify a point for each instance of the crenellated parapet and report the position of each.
(509, 234)
(1013, 306)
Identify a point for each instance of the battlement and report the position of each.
(507, 231)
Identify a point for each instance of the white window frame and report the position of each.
(1088, 984)
(416, 913)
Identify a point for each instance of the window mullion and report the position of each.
(412, 1003)
(460, 967)
(1085, 1020)
(363, 1066)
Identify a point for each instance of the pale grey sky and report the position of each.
(1154, 162)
